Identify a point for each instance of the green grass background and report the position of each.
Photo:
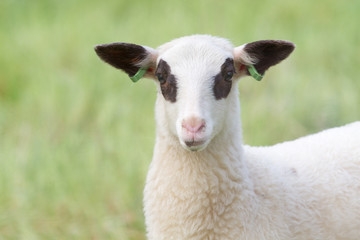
(76, 136)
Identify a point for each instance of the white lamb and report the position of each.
(203, 183)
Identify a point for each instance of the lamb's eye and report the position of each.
(161, 78)
(228, 75)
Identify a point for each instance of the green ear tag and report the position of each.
(254, 73)
(139, 74)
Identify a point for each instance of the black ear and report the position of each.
(127, 57)
(262, 54)
(267, 53)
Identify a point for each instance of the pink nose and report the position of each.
(193, 124)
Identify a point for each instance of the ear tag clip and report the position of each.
(254, 73)
(139, 74)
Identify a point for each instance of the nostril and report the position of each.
(193, 124)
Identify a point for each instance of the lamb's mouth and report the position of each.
(194, 145)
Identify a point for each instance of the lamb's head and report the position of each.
(196, 79)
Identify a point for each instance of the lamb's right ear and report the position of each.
(128, 57)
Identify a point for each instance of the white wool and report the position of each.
(304, 189)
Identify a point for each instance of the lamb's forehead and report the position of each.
(197, 49)
(205, 39)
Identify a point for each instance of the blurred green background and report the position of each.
(76, 136)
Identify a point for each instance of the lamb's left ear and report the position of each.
(128, 57)
(262, 54)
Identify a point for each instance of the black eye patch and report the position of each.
(167, 81)
(223, 80)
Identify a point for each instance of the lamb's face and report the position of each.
(194, 82)
(195, 76)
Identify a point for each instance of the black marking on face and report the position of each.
(268, 52)
(167, 81)
(124, 56)
(223, 80)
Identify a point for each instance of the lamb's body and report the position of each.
(203, 183)
(315, 180)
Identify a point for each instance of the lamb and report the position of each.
(203, 182)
